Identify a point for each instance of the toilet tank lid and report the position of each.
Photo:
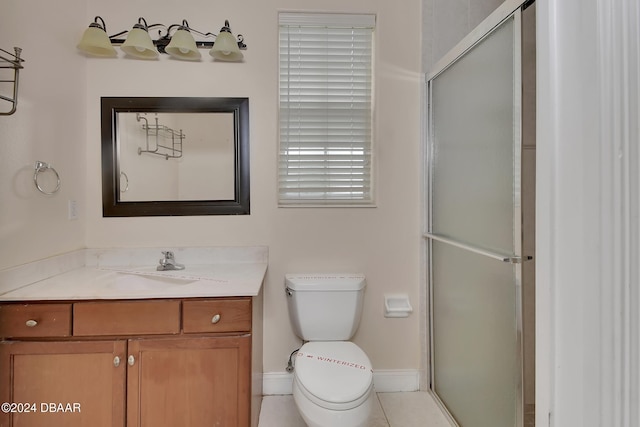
(325, 282)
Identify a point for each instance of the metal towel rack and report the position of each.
(480, 251)
(166, 133)
(11, 61)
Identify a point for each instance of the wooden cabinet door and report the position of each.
(63, 384)
(189, 382)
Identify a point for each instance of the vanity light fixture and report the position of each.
(95, 40)
(177, 41)
(138, 43)
(182, 45)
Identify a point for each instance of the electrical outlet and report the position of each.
(73, 210)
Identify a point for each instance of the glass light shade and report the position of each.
(183, 46)
(225, 48)
(95, 41)
(139, 44)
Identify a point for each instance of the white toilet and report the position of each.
(333, 378)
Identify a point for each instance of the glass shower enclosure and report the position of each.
(474, 225)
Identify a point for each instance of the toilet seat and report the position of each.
(335, 375)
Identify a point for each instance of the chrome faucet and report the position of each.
(169, 262)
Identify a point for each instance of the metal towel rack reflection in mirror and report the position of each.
(11, 61)
(164, 133)
(480, 251)
(41, 167)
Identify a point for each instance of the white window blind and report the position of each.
(325, 109)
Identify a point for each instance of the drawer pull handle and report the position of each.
(131, 360)
(215, 319)
(31, 323)
(116, 361)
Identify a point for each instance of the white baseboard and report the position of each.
(396, 380)
(275, 383)
(384, 381)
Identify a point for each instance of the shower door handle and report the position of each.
(512, 259)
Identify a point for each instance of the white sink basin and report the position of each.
(141, 282)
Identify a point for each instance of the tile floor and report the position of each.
(414, 409)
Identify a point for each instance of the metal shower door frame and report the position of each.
(509, 9)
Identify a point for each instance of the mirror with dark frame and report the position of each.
(175, 156)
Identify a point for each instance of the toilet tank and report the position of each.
(325, 307)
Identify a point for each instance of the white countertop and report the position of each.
(95, 283)
(142, 281)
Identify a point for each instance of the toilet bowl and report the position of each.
(333, 384)
(333, 378)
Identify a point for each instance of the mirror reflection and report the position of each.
(175, 156)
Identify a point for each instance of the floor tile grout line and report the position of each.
(386, 418)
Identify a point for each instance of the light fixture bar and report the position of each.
(162, 42)
(95, 42)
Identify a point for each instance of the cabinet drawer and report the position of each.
(35, 320)
(217, 315)
(126, 318)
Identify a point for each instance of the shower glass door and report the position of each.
(474, 230)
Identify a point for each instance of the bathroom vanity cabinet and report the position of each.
(165, 362)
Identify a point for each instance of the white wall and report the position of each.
(588, 202)
(49, 125)
(381, 242)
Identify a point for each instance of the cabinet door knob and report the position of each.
(116, 361)
(215, 319)
(31, 323)
(131, 360)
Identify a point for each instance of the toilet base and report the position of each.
(316, 416)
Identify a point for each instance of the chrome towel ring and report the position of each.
(43, 167)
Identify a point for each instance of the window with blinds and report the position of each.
(325, 109)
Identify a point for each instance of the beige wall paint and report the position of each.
(381, 242)
(49, 125)
(58, 122)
